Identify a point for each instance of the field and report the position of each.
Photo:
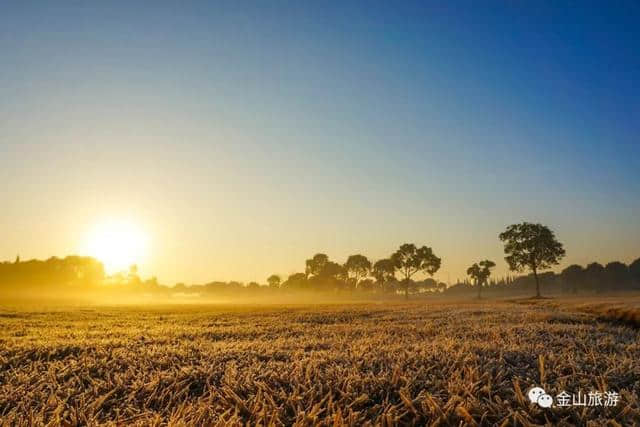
(420, 363)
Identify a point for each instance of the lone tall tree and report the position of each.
(531, 246)
(480, 273)
(410, 260)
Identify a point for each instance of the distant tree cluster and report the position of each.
(614, 276)
(71, 276)
(534, 247)
(31, 276)
(358, 274)
(575, 279)
(528, 247)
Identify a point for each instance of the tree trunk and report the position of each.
(535, 274)
(405, 282)
(479, 285)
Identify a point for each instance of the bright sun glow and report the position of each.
(118, 244)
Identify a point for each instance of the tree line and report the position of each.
(358, 273)
(528, 247)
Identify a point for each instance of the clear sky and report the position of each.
(243, 137)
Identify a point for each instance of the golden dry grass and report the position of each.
(413, 364)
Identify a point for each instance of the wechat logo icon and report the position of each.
(540, 397)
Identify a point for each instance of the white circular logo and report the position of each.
(545, 401)
(535, 393)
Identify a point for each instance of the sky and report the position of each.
(241, 137)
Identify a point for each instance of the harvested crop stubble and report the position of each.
(410, 364)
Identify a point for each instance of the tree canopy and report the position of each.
(357, 268)
(384, 272)
(409, 260)
(531, 246)
(480, 273)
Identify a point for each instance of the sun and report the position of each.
(117, 244)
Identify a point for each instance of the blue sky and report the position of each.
(246, 136)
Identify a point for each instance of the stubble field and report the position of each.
(398, 364)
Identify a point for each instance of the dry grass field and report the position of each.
(467, 363)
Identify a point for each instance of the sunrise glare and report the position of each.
(118, 244)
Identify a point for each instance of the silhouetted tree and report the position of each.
(617, 276)
(333, 269)
(316, 264)
(429, 285)
(480, 273)
(384, 272)
(274, 281)
(409, 260)
(253, 286)
(475, 273)
(331, 276)
(531, 246)
(573, 276)
(486, 266)
(595, 276)
(296, 281)
(634, 270)
(323, 274)
(357, 267)
(53, 276)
